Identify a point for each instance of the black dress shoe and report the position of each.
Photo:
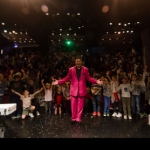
(137, 116)
(73, 121)
(78, 122)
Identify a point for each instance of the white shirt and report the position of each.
(125, 89)
(48, 95)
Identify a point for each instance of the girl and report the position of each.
(48, 96)
(58, 100)
(66, 94)
(107, 96)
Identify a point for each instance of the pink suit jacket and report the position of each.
(77, 87)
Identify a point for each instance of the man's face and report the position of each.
(78, 63)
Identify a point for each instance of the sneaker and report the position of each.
(125, 117)
(13, 117)
(145, 115)
(114, 114)
(130, 117)
(141, 115)
(18, 116)
(104, 114)
(31, 115)
(107, 114)
(119, 115)
(73, 121)
(37, 113)
(98, 114)
(94, 113)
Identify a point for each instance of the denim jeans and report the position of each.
(106, 104)
(96, 102)
(136, 101)
(48, 107)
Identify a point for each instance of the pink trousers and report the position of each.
(77, 106)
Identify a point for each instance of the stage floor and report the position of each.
(55, 126)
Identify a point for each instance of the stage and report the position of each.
(56, 126)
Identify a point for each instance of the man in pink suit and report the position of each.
(77, 75)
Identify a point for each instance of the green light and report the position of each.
(69, 45)
(68, 42)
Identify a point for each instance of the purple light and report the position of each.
(15, 45)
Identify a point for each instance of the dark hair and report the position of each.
(107, 78)
(97, 76)
(134, 75)
(125, 77)
(78, 57)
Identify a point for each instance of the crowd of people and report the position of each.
(28, 81)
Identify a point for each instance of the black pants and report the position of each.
(16, 99)
(67, 106)
(37, 107)
(88, 106)
(117, 104)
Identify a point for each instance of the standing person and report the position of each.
(32, 86)
(147, 92)
(58, 100)
(48, 96)
(19, 86)
(88, 101)
(115, 95)
(136, 96)
(3, 87)
(66, 94)
(78, 75)
(126, 89)
(107, 96)
(96, 90)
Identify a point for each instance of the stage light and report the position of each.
(15, 45)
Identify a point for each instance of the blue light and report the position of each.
(15, 45)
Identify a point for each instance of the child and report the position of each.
(137, 87)
(48, 96)
(66, 94)
(88, 101)
(58, 100)
(96, 90)
(41, 100)
(115, 95)
(125, 88)
(107, 96)
(26, 100)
